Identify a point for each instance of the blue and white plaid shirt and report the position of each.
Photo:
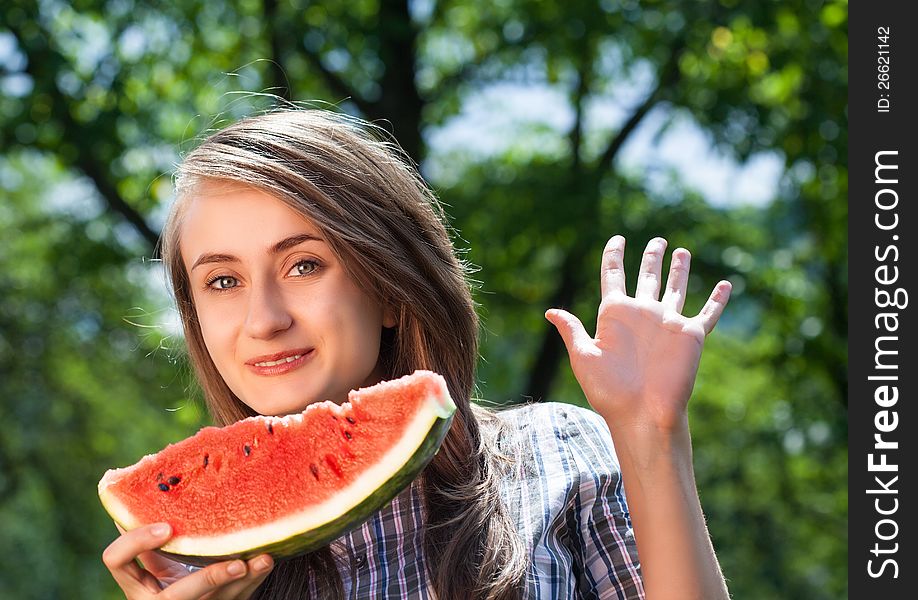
(567, 500)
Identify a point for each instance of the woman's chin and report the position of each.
(270, 407)
(291, 397)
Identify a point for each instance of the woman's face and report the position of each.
(282, 322)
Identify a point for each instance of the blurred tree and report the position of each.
(75, 372)
(98, 95)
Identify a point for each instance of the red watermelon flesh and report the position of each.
(284, 485)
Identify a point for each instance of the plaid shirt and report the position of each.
(568, 503)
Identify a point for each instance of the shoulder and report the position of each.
(557, 414)
(575, 437)
(564, 421)
(587, 440)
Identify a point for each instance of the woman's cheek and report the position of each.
(217, 328)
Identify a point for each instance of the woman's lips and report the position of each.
(281, 365)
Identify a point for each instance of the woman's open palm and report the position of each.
(639, 369)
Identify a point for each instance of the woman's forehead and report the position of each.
(220, 217)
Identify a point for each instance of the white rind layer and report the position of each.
(438, 406)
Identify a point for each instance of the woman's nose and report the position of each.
(267, 315)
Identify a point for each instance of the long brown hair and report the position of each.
(351, 180)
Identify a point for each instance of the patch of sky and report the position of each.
(75, 197)
(132, 43)
(16, 85)
(84, 39)
(421, 11)
(492, 120)
(11, 59)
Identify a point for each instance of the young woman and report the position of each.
(307, 259)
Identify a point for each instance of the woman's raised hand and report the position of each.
(165, 579)
(639, 369)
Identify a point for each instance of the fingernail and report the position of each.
(263, 565)
(235, 568)
(160, 530)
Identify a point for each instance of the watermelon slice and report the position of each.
(284, 485)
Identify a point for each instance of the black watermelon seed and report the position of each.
(247, 449)
(174, 480)
(315, 471)
(351, 421)
(164, 487)
(270, 428)
(206, 459)
(159, 477)
(348, 435)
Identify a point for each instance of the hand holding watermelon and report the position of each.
(639, 369)
(229, 580)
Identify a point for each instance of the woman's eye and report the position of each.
(223, 282)
(304, 267)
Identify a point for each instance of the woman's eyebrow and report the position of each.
(292, 241)
(209, 258)
(284, 244)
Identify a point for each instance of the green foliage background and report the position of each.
(99, 97)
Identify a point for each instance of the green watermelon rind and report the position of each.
(318, 537)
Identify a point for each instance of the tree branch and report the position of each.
(400, 103)
(467, 70)
(669, 75)
(551, 350)
(545, 367)
(110, 195)
(280, 85)
(338, 86)
(548, 358)
(41, 58)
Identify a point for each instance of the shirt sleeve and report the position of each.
(601, 538)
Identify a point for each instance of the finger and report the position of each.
(713, 308)
(119, 557)
(677, 281)
(149, 581)
(575, 337)
(210, 579)
(161, 568)
(258, 569)
(648, 285)
(612, 272)
(128, 545)
(132, 577)
(164, 569)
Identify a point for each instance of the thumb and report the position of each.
(575, 337)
